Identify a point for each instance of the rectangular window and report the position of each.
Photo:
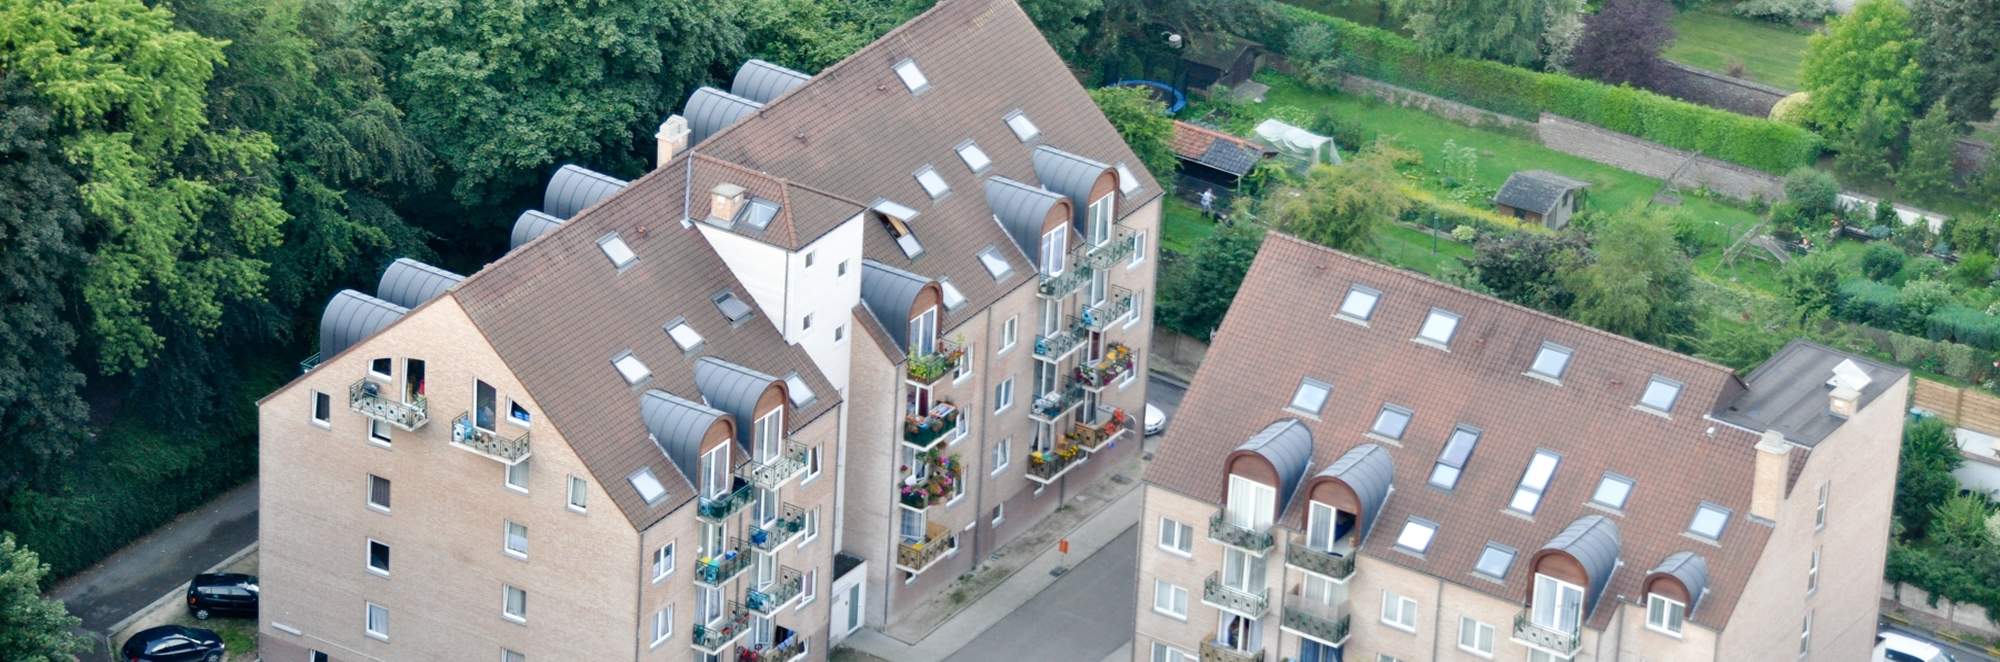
(1399, 612)
(1003, 396)
(1541, 469)
(378, 621)
(1612, 491)
(1176, 537)
(485, 404)
(518, 414)
(578, 493)
(1475, 637)
(808, 589)
(1311, 396)
(1170, 599)
(812, 526)
(383, 369)
(315, 656)
(378, 558)
(1138, 250)
(516, 606)
(1663, 615)
(1551, 361)
(663, 625)
(517, 540)
(840, 333)
(517, 476)
(1556, 604)
(1010, 331)
(1100, 220)
(1360, 303)
(1451, 461)
(1163, 653)
(1812, 573)
(1320, 520)
(807, 323)
(413, 381)
(1819, 514)
(974, 157)
(1416, 536)
(1661, 394)
(999, 513)
(1495, 560)
(923, 332)
(663, 562)
(1805, 636)
(1054, 246)
(378, 493)
(322, 409)
(378, 432)
(812, 464)
(1709, 521)
(1002, 455)
(1392, 421)
(1439, 327)
(1250, 505)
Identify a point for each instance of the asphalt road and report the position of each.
(1082, 617)
(1165, 394)
(159, 563)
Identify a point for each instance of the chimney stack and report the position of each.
(673, 137)
(1767, 486)
(1844, 402)
(724, 201)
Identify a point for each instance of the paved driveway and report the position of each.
(159, 563)
(1082, 617)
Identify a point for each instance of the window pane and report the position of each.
(1661, 393)
(1311, 396)
(1551, 361)
(1494, 561)
(1439, 326)
(1416, 535)
(1360, 302)
(1612, 491)
(1709, 520)
(1391, 421)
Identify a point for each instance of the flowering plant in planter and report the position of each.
(944, 473)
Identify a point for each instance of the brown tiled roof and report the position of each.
(804, 213)
(1191, 142)
(558, 312)
(854, 131)
(1281, 329)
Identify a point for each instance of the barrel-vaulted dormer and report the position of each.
(1570, 573)
(756, 400)
(1037, 219)
(908, 305)
(761, 81)
(529, 225)
(1261, 476)
(1086, 182)
(351, 316)
(1673, 590)
(689, 432)
(1343, 500)
(710, 110)
(574, 188)
(409, 283)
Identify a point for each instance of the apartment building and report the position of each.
(1377, 466)
(855, 331)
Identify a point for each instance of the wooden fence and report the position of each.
(1963, 407)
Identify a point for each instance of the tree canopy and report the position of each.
(39, 255)
(1144, 124)
(1868, 55)
(1622, 42)
(1960, 54)
(32, 628)
(1640, 284)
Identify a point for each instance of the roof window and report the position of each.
(684, 335)
(932, 182)
(732, 307)
(911, 247)
(1495, 560)
(1416, 535)
(1311, 396)
(1612, 491)
(896, 218)
(1128, 184)
(974, 157)
(615, 248)
(1551, 361)
(1392, 421)
(631, 368)
(953, 299)
(1439, 326)
(913, 77)
(1360, 302)
(1709, 521)
(1661, 394)
(1535, 481)
(1451, 461)
(801, 394)
(649, 487)
(1023, 127)
(758, 214)
(891, 208)
(996, 263)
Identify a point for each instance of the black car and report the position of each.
(172, 643)
(222, 594)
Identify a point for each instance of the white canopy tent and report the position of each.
(1298, 146)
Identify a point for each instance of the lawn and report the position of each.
(1712, 39)
(1182, 227)
(1412, 249)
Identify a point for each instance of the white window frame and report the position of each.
(811, 527)
(1805, 636)
(370, 560)
(1175, 596)
(1138, 251)
(1819, 513)
(368, 621)
(663, 562)
(578, 495)
(507, 593)
(507, 540)
(1003, 396)
(1054, 247)
(369, 497)
(1399, 611)
(1480, 632)
(808, 589)
(1003, 456)
(663, 626)
(384, 377)
(1176, 538)
(1528, 493)
(507, 476)
(1812, 572)
(999, 513)
(814, 467)
(1098, 219)
(1165, 653)
(379, 433)
(1010, 335)
(313, 401)
(1658, 620)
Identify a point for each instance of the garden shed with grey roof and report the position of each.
(1540, 196)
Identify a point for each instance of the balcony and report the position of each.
(309, 363)
(1546, 639)
(365, 397)
(932, 367)
(1249, 604)
(791, 520)
(791, 462)
(1065, 342)
(779, 594)
(1103, 315)
(720, 508)
(1071, 280)
(919, 556)
(1048, 408)
(1046, 466)
(1220, 530)
(1215, 652)
(1335, 566)
(938, 483)
(718, 570)
(488, 444)
(1094, 437)
(790, 646)
(1316, 620)
(1118, 363)
(925, 432)
(1109, 253)
(713, 639)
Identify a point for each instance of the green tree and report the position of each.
(1919, 298)
(1864, 149)
(32, 628)
(1867, 55)
(1923, 476)
(1510, 31)
(1196, 290)
(1528, 268)
(1881, 261)
(1143, 123)
(1343, 207)
(39, 259)
(1811, 284)
(1640, 284)
(1063, 23)
(1314, 51)
(809, 35)
(1961, 521)
(1960, 54)
(1811, 191)
(1926, 173)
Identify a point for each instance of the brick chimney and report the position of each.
(673, 137)
(724, 200)
(1844, 402)
(1767, 487)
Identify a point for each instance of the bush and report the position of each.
(1345, 131)
(1791, 110)
(1881, 261)
(1812, 190)
(1875, 304)
(1385, 56)
(1783, 11)
(1974, 271)
(1964, 325)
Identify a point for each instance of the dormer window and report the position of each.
(913, 77)
(1311, 396)
(1451, 461)
(1534, 481)
(923, 332)
(1055, 245)
(614, 248)
(1660, 394)
(933, 183)
(1439, 326)
(1665, 615)
(1100, 213)
(1360, 303)
(1557, 606)
(974, 157)
(1023, 127)
(1252, 505)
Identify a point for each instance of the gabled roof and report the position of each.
(1536, 190)
(1290, 295)
(1215, 149)
(804, 213)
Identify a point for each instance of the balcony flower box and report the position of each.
(945, 472)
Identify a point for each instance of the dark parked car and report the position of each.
(222, 594)
(172, 643)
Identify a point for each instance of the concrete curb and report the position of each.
(179, 591)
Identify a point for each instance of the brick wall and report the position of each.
(1656, 160)
(1712, 89)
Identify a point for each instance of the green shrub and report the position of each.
(1909, 350)
(1959, 360)
(1965, 325)
(1919, 298)
(1881, 261)
(1974, 270)
(1869, 302)
(1812, 190)
(1385, 56)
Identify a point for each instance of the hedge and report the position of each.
(1451, 214)
(1970, 326)
(1869, 302)
(1391, 58)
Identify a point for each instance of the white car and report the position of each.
(1897, 647)
(1156, 420)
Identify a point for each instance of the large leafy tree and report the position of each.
(1622, 42)
(1868, 55)
(1195, 290)
(1864, 150)
(1343, 207)
(32, 628)
(1960, 55)
(39, 259)
(1926, 172)
(1923, 477)
(1143, 123)
(1510, 31)
(1641, 282)
(1528, 268)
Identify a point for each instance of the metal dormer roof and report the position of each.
(1593, 541)
(890, 293)
(762, 81)
(1070, 175)
(529, 225)
(710, 110)
(1021, 210)
(352, 316)
(409, 283)
(574, 188)
(678, 426)
(733, 389)
(1288, 446)
(1690, 570)
(1368, 470)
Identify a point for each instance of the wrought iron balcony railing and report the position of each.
(1119, 361)
(1551, 640)
(1119, 248)
(939, 483)
(1215, 652)
(925, 432)
(365, 397)
(1046, 466)
(1338, 567)
(788, 646)
(920, 556)
(1220, 530)
(1103, 315)
(1065, 342)
(929, 368)
(770, 599)
(1095, 437)
(791, 462)
(1327, 624)
(791, 520)
(712, 639)
(1070, 280)
(489, 444)
(1248, 603)
(725, 565)
(1052, 406)
(720, 508)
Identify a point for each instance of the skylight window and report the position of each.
(953, 299)
(1535, 481)
(631, 368)
(901, 213)
(1661, 394)
(1360, 302)
(615, 248)
(974, 157)
(1495, 560)
(1439, 326)
(1612, 491)
(801, 393)
(995, 263)
(932, 182)
(1551, 361)
(733, 308)
(913, 77)
(1709, 521)
(1416, 535)
(757, 215)
(1311, 396)
(649, 487)
(1451, 461)
(911, 247)
(684, 335)
(1392, 421)
(1127, 183)
(1023, 127)
(895, 217)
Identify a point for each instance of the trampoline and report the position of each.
(1161, 92)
